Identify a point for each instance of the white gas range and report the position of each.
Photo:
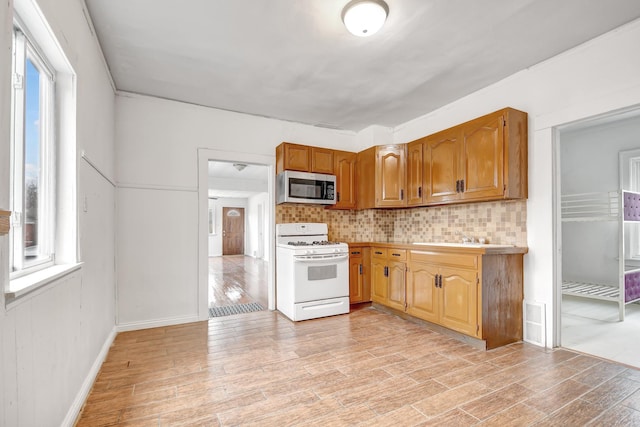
(312, 272)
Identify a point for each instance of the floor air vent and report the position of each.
(234, 309)
(534, 323)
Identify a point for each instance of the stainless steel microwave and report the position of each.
(305, 187)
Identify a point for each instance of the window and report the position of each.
(33, 154)
(43, 189)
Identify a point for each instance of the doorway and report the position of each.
(591, 173)
(253, 265)
(232, 231)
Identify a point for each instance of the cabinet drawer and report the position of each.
(397, 254)
(355, 253)
(457, 260)
(379, 252)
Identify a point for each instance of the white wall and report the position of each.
(52, 340)
(258, 203)
(599, 76)
(157, 144)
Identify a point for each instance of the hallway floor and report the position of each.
(237, 279)
(591, 326)
(363, 368)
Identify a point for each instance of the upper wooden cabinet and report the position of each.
(442, 166)
(304, 158)
(480, 160)
(391, 175)
(293, 157)
(382, 177)
(345, 171)
(322, 160)
(415, 185)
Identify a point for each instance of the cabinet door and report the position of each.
(459, 309)
(442, 154)
(321, 160)
(483, 152)
(366, 274)
(379, 282)
(390, 176)
(365, 173)
(414, 173)
(396, 281)
(345, 170)
(296, 157)
(356, 275)
(422, 293)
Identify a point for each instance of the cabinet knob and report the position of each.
(419, 191)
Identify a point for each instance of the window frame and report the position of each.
(64, 219)
(26, 49)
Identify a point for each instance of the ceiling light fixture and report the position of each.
(239, 166)
(364, 18)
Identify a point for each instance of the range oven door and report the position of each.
(319, 277)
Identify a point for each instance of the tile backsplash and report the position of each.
(502, 222)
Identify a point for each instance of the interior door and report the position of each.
(233, 231)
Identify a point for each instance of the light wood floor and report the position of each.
(364, 368)
(237, 279)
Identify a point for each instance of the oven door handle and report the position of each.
(319, 258)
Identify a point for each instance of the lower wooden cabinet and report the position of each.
(479, 295)
(379, 276)
(359, 275)
(443, 295)
(389, 277)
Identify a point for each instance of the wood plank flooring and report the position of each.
(237, 279)
(364, 368)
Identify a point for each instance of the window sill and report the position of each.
(24, 285)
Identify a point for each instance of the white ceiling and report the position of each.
(294, 60)
(225, 180)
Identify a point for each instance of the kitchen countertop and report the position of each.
(473, 248)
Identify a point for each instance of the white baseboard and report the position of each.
(81, 397)
(134, 326)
